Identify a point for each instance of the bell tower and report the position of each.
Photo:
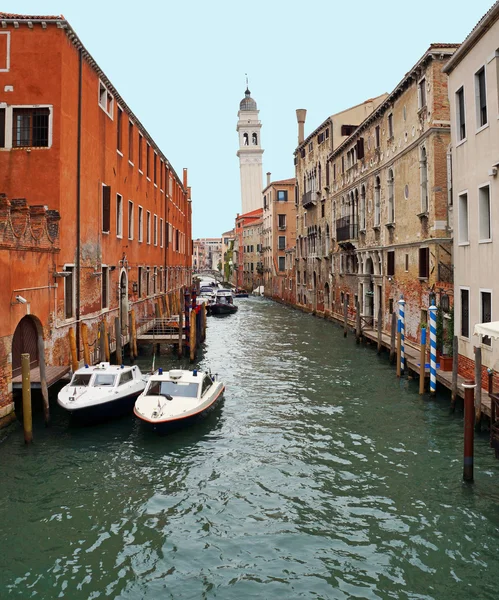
(250, 154)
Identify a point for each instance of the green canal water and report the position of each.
(320, 476)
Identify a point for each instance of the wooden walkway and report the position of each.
(53, 374)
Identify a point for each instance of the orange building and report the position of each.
(247, 255)
(94, 220)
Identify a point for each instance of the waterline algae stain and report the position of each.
(322, 475)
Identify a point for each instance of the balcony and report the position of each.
(282, 227)
(309, 199)
(346, 229)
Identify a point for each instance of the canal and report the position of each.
(320, 476)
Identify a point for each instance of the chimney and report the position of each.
(185, 179)
(301, 115)
(268, 178)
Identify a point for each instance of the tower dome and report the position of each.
(247, 103)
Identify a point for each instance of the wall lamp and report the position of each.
(62, 274)
(135, 287)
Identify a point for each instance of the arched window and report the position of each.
(245, 139)
(377, 201)
(363, 207)
(423, 171)
(254, 139)
(320, 177)
(391, 197)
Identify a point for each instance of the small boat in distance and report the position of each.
(102, 391)
(241, 293)
(223, 303)
(176, 398)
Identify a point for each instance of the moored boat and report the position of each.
(223, 303)
(102, 391)
(176, 398)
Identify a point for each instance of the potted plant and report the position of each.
(446, 359)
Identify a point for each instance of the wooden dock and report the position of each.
(53, 374)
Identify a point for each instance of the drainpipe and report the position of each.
(78, 205)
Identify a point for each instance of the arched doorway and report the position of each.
(124, 300)
(25, 341)
(326, 296)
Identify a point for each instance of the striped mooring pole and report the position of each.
(433, 349)
(402, 332)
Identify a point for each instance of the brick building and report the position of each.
(389, 200)
(207, 254)
(94, 220)
(314, 229)
(278, 234)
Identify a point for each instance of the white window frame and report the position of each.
(99, 98)
(459, 219)
(155, 230)
(459, 140)
(463, 287)
(480, 292)
(420, 99)
(7, 60)
(161, 236)
(148, 227)
(477, 100)
(119, 216)
(141, 223)
(9, 124)
(482, 240)
(130, 220)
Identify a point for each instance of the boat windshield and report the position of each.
(104, 379)
(81, 379)
(173, 388)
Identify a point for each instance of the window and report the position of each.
(424, 263)
(423, 172)
(161, 233)
(282, 195)
(130, 220)
(390, 263)
(360, 148)
(106, 100)
(148, 282)
(460, 115)
(141, 224)
(119, 132)
(463, 219)
(390, 305)
(106, 208)
(155, 230)
(155, 171)
(155, 280)
(422, 93)
(481, 98)
(140, 282)
(390, 125)
(207, 383)
(126, 376)
(486, 312)
(323, 209)
(105, 287)
(347, 130)
(140, 152)
(391, 197)
(148, 227)
(465, 313)
(130, 141)
(282, 263)
(484, 213)
(160, 174)
(5, 51)
(119, 215)
(311, 146)
(406, 262)
(377, 135)
(30, 127)
(363, 207)
(2, 127)
(342, 164)
(148, 161)
(281, 221)
(69, 292)
(281, 244)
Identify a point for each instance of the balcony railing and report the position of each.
(346, 229)
(308, 199)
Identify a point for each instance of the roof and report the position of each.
(489, 329)
(390, 99)
(62, 23)
(247, 103)
(291, 181)
(476, 34)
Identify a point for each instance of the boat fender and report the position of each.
(195, 372)
(160, 371)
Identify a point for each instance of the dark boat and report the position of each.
(241, 294)
(223, 303)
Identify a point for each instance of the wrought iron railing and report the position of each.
(346, 229)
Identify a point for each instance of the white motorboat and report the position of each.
(102, 391)
(177, 397)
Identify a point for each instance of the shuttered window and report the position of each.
(360, 148)
(105, 287)
(465, 313)
(106, 208)
(424, 263)
(68, 293)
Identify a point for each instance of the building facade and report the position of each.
(207, 254)
(278, 234)
(247, 252)
(314, 225)
(250, 154)
(95, 220)
(473, 81)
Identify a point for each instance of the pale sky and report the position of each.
(181, 68)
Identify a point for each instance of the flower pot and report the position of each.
(445, 363)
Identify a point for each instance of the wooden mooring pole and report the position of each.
(180, 321)
(84, 339)
(478, 390)
(119, 350)
(422, 361)
(130, 338)
(43, 380)
(380, 329)
(27, 416)
(469, 417)
(358, 327)
(106, 343)
(345, 316)
(455, 368)
(134, 334)
(392, 337)
(102, 342)
(192, 337)
(72, 346)
(399, 352)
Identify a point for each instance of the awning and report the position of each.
(489, 329)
